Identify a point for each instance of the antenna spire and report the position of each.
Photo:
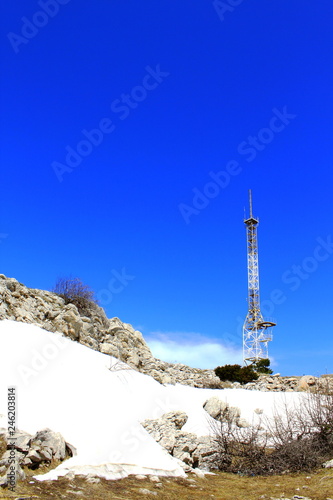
(250, 202)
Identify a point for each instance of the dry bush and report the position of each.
(74, 291)
(241, 450)
(303, 436)
(299, 438)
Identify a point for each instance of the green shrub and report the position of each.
(236, 373)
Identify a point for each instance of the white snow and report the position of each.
(70, 389)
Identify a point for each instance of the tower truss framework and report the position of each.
(256, 331)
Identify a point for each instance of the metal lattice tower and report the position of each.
(255, 330)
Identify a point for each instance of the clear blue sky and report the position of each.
(116, 117)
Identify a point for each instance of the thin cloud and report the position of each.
(193, 349)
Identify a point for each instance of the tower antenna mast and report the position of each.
(256, 333)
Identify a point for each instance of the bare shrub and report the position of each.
(290, 435)
(298, 438)
(74, 291)
(241, 450)
(303, 436)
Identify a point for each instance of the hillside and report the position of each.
(81, 411)
(109, 336)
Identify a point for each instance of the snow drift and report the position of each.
(97, 404)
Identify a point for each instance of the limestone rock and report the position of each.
(51, 441)
(305, 382)
(163, 429)
(219, 410)
(215, 407)
(32, 451)
(34, 456)
(189, 449)
(242, 423)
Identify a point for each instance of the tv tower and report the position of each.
(256, 333)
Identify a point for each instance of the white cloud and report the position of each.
(192, 349)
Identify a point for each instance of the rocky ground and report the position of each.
(221, 486)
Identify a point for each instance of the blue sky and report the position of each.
(131, 133)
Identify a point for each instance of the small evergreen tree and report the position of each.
(262, 366)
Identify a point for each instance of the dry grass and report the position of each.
(222, 486)
(3, 445)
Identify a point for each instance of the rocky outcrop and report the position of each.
(288, 384)
(110, 336)
(49, 310)
(190, 449)
(32, 451)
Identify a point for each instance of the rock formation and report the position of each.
(193, 451)
(32, 451)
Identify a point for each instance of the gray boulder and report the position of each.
(215, 407)
(191, 450)
(53, 442)
(221, 411)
